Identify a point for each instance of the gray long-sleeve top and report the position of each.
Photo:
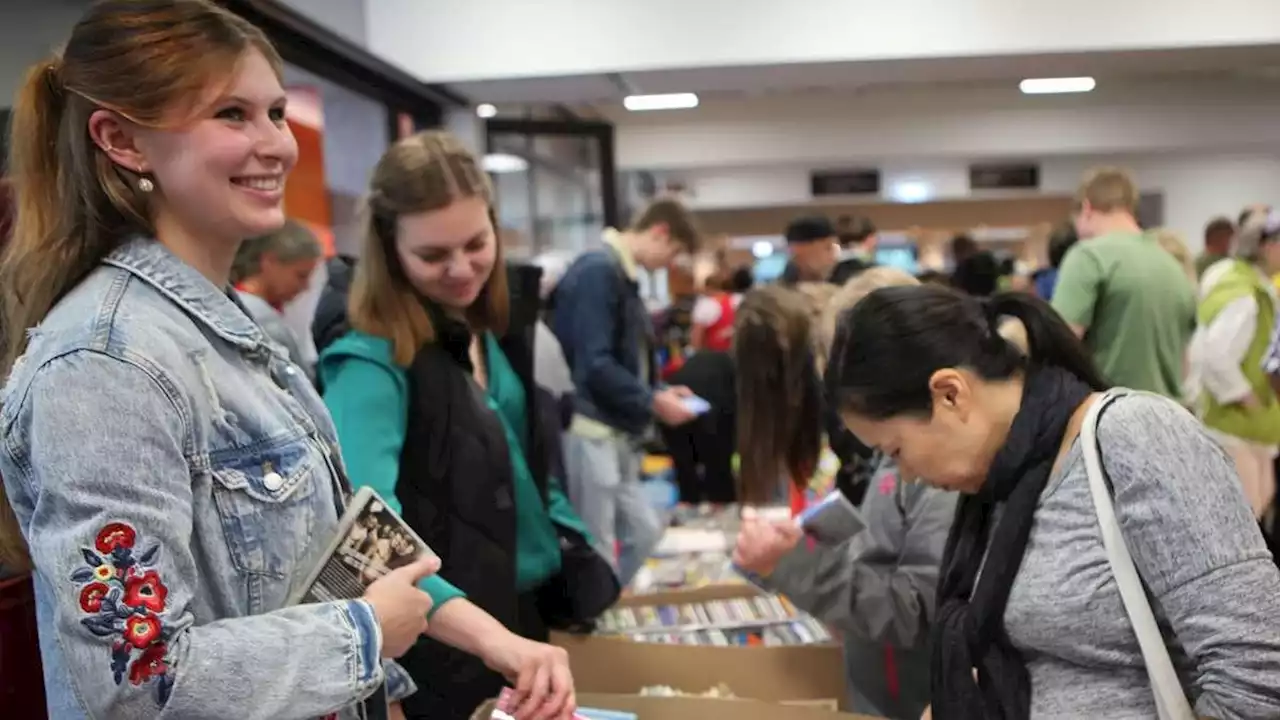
(1213, 584)
(878, 589)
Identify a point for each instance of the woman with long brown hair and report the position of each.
(434, 397)
(169, 470)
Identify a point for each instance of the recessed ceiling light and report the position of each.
(911, 191)
(486, 110)
(499, 163)
(671, 101)
(1051, 86)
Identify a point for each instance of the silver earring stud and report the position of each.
(145, 184)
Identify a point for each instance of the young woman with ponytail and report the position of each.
(169, 472)
(1030, 623)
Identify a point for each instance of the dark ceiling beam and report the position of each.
(319, 50)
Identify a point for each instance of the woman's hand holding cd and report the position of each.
(400, 606)
(762, 543)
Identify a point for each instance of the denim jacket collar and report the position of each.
(153, 263)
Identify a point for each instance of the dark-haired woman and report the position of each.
(1030, 620)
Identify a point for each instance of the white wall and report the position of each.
(29, 32)
(1195, 187)
(857, 128)
(453, 40)
(344, 17)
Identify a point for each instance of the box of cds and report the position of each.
(727, 641)
(633, 707)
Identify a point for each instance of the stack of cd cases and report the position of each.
(762, 620)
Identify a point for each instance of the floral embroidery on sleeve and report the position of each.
(122, 596)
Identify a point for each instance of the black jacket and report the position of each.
(456, 490)
(330, 322)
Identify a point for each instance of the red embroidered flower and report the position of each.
(91, 597)
(115, 535)
(150, 664)
(141, 630)
(145, 591)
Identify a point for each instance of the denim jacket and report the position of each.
(603, 328)
(174, 476)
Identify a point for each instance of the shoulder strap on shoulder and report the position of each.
(1171, 699)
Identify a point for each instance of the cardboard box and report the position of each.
(812, 674)
(656, 708)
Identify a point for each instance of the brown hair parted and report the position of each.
(1108, 190)
(419, 174)
(680, 222)
(151, 61)
(779, 395)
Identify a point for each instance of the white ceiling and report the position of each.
(1113, 67)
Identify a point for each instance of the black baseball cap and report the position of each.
(810, 229)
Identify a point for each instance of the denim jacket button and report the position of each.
(272, 481)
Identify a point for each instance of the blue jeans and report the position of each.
(604, 487)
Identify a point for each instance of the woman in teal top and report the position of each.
(432, 394)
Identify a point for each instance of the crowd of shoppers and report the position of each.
(171, 471)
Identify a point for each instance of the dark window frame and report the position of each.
(309, 45)
(601, 132)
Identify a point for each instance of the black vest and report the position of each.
(455, 490)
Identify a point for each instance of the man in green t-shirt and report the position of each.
(1127, 297)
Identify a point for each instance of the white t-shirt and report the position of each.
(707, 310)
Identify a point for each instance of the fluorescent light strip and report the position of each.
(672, 101)
(498, 163)
(1051, 86)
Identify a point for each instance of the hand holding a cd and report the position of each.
(540, 674)
(762, 543)
(401, 608)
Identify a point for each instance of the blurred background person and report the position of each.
(1229, 383)
(814, 248)
(976, 271)
(1173, 244)
(858, 239)
(1217, 243)
(1127, 297)
(1064, 237)
(608, 340)
(268, 273)
(877, 587)
(714, 311)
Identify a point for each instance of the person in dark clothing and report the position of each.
(330, 322)
(977, 272)
(702, 450)
(1062, 240)
(857, 248)
(813, 244)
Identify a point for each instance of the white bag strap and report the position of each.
(1171, 700)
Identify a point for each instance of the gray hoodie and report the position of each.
(877, 588)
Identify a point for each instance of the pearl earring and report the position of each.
(145, 184)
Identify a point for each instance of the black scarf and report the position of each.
(969, 632)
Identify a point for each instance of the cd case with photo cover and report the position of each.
(371, 541)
